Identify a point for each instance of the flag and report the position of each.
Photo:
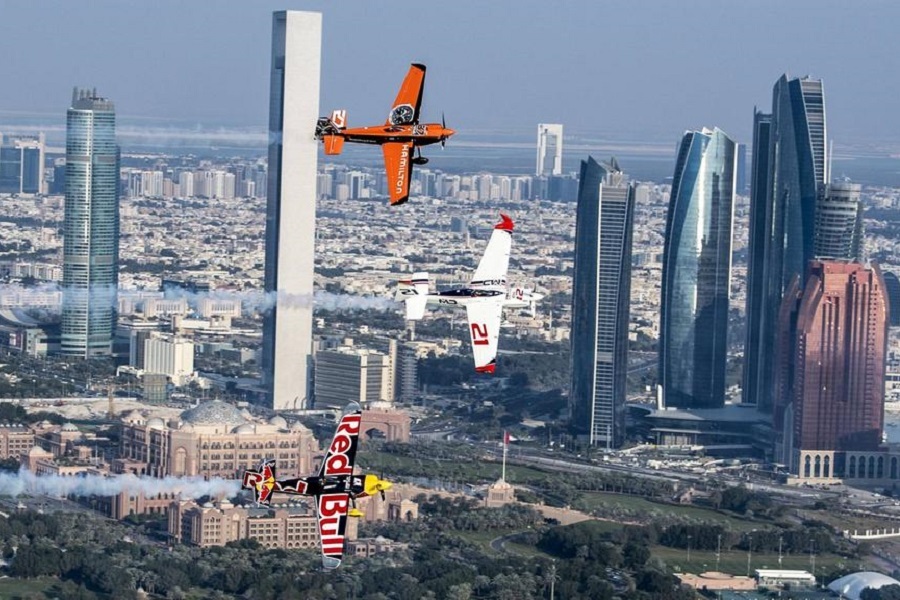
(506, 438)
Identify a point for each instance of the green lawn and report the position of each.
(735, 562)
(14, 589)
(467, 471)
(592, 500)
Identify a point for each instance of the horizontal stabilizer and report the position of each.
(414, 292)
(333, 144)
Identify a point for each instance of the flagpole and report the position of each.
(505, 447)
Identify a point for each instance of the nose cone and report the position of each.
(536, 296)
(448, 132)
(385, 485)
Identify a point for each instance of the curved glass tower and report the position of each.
(91, 244)
(697, 272)
(790, 170)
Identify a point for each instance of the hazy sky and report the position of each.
(647, 69)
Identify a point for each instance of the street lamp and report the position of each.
(749, 549)
(718, 550)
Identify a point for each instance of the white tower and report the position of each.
(291, 207)
(549, 149)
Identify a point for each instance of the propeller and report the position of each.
(443, 126)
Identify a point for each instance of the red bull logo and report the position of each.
(332, 507)
(337, 461)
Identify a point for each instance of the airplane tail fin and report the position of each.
(328, 129)
(491, 271)
(261, 482)
(414, 292)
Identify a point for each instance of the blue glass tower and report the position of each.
(789, 174)
(601, 301)
(91, 244)
(697, 272)
(892, 286)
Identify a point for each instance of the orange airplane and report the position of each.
(399, 137)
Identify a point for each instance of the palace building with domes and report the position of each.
(213, 439)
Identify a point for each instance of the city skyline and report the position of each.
(823, 47)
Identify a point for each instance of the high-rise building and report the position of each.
(352, 375)
(291, 207)
(601, 300)
(170, 356)
(789, 174)
(760, 294)
(696, 276)
(549, 149)
(892, 288)
(91, 244)
(838, 229)
(831, 365)
(22, 164)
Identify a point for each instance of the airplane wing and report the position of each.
(491, 271)
(484, 330)
(331, 512)
(405, 110)
(341, 454)
(398, 165)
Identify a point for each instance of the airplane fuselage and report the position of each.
(516, 298)
(316, 486)
(422, 134)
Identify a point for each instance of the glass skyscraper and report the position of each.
(892, 290)
(601, 300)
(22, 164)
(839, 224)
(91, 244)
(697, 272)
(790, 171)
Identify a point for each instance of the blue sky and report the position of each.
(640, 69)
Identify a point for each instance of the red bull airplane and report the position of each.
(400, 137)
(334, 488)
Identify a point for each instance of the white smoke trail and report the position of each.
(251, 300)
(26, 482)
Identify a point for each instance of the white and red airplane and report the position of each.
(484, 299)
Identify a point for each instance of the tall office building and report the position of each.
(892, 289)
(839, 224)
(549, 149)
(831, 365)
(22, 164)
(291, 207)
(91, 244)
(352, 375)
(601, 300)
(697, 272)
(789, 174)
(760, 323)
